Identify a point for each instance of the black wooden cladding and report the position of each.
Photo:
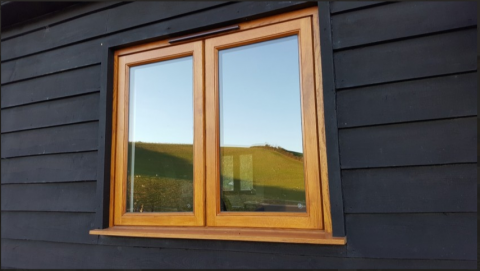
(406, 193)
(59, 85)
(404, 19)
(425, 189)
(57, 18)
(408, 144)
(89, 52)
(97, 257)
(87, 27)
(48, 226)
(50, 197)
(331, 137)
(413, 236)
(64, 111)
(424, 99)
(60, 139)
(62, 59)
(432, 55)
(340, 6)
(50, 168)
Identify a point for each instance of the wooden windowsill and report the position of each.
(226, 233)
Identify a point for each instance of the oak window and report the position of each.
(222, 137)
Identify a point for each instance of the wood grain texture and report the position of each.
(438, 54)
(426, 189)
(311, 220)
(62, 255)
(416, 236)
(254, 234)
(225, 245)
(48, 226)
(340, 6)
(419, 143)
(121, 134)
(59, 85)
(50, 168)
(51, 113)
(400, 20)
(56, 197)
(99, 23)
(327, 84)
(60, 139)
(56, 18)
(424, 99)
(90, 52)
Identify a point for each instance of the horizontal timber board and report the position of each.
(412, 236)
(51, 197)
(56, 18)
(51, 113)
(426, 189)
(50, 168)
(58, 85)
(48, 226)
(438, 54)
(400, 20)
(90, 52)
(59, 139)
(63, 255)
(339, 6)
(98, 24)
(257, 247)
(418, 143)
(421, 99)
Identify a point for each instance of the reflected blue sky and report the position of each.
(260, 95)
(161, 102)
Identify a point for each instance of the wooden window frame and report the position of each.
(207, 222)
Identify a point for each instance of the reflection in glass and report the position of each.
(261, 150)
(160, 137)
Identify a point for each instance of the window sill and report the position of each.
(224, 233)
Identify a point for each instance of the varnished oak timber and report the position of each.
(314, 226)
(226, 233)
(313, 218)
(120, 139)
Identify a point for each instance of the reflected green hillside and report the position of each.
(261, 178)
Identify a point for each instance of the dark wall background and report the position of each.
(400, 83)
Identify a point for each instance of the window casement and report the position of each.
(221, 136)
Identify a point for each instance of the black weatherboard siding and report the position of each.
(400, 92)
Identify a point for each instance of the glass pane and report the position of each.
(261, 150)
(160, 137)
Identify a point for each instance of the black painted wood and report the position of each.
(90, 52)
(48, 226)
(50, 168)
(438, 54)
(424, 99)
(67, 255)
(254, 247)
(62, 59)
(340, 6)
(400, 20)
(60, 139)
(56, 18)
(17, 12)
(56, 197)
(427, 189)
(99, 23)
(412, 236)
(64, 111)
(418, 143)
(331, 129)
(59, 85)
